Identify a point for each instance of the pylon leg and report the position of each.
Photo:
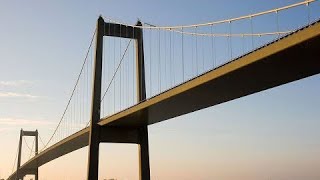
(144, 169)
(93, 158)
(94, 138)
(36, 175)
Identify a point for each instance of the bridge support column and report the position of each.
(19, 156)
(34, 171)
(144, 165)
(36, 174)
(144, 169)
(94, 140)
(101, 134)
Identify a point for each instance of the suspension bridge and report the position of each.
(142, 74)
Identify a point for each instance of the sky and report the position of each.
(268, 135)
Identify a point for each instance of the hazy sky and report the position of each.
(273, 134)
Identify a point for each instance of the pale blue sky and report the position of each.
(273, 134)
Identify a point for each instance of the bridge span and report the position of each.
(288, 59)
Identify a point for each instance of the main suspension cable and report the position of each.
(305, 2)
(74, 88)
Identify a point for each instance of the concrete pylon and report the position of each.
(138, 135)
(20, 174)
(144, 164)
(94, 137)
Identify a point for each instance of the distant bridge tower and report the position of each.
(20, 174)
(137, 135)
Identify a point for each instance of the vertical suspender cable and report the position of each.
(182, 54)
(102, 113)
(87, 91)
(75, 110)
(108, 70)
(309, 18)
(133, 70)
(196, 58)
(120, 89)
(277, 21)
(203, 47)
(159, 64)
(31, 150)
(114, 69)
(170, 65)
(211, 30)
(215, 51)
(81, 103)
(83, 95)
(150, 62)
(242, 42)
(165, 59)
(251, 25)
(126, 75)
(230, 40)
(192, 49)
(173, 61)
(79, 106)
(73, 113)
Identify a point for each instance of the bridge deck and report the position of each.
(288, 59)
(291, 58)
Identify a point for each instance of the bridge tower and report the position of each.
(20, 174)
(117, 134)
